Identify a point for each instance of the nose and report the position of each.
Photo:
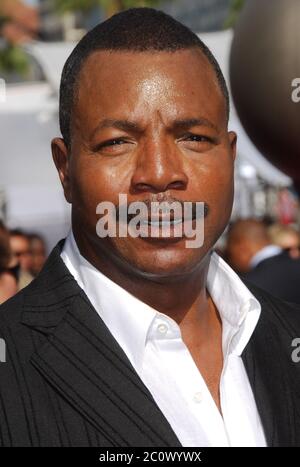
(159, 167)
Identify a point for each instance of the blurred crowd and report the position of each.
(266, 255)
(262, 253)
(22, 255)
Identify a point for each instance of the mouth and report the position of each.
(162, 222)
(154, 221)
(163, 228)
(163, 215)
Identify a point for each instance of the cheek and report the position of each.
(94, 181)
(218, 188)
(217, 192)
(212, 173)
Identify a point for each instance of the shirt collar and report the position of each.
(238, 308)
(131, 321)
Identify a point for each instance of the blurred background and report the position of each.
(36, 37)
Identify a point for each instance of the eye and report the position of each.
(111, 145)
(111, 142)
(197, 138)
(196, 143)
(114, 142)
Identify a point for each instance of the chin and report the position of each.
(168, 263)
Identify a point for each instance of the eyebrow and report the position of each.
(185, 124)
(127, 125)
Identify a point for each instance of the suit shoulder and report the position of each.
(11, 310)
(275, 309)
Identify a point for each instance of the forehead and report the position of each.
(175, 83)
(19, 240)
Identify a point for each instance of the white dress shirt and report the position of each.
(153, 344)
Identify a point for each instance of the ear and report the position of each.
(60, 156)
(232, 141)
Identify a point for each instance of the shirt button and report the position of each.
(162, 328)
(197, 397)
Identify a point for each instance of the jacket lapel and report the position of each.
(267, 359)
(83, 361)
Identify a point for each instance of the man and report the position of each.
(38, 253)
(8, 282)
(251, 253)
(20, 248)
(140, 340)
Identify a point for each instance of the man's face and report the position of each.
(38, 255)
(170, 142)
(20, 251)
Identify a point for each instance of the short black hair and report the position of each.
(18, 233)
(137, 30)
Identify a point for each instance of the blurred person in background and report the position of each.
(20, 22)
(38, 253)
(287, 237)
(20, 247)
(8, 281)
(251, 252)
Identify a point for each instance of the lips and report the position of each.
(161, 215)
(162, 220)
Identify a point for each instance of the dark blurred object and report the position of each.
(279, 275)
(14, 271)
(37, 247)
(5, 253)
(264, 61)
(8, 281)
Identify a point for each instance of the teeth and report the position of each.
(162, 223)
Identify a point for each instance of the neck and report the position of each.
(184, 299)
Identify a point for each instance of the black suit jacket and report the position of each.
(67, 382)
(278, 275)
